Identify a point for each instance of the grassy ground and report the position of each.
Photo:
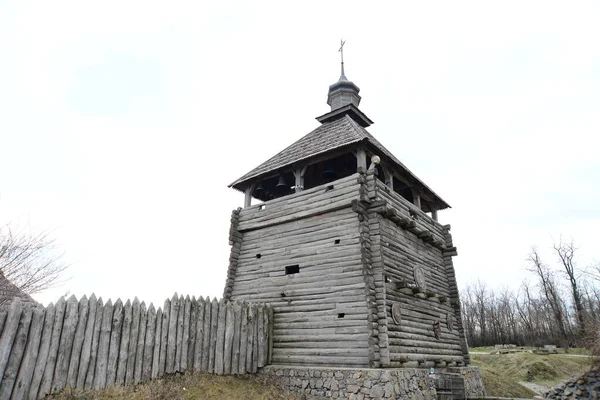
(188, 387)
(502, 372)
(574, 350)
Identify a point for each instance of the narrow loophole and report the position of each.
(328, 188)
(341, 315)
(258, 255)
(337, 241)
(261, 207)
(292, 269)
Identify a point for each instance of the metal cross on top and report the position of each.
(341, 50)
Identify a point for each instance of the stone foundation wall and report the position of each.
(473, 381)
(355, 384)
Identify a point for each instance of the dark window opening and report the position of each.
(337, 241)
(329, 170)
(258, 255)
(328, 188)
(282, 294)
(341, 315)
(403, 190)
(292, 269)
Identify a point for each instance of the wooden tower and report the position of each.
(346, 246)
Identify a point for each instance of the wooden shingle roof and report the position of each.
(329, 136)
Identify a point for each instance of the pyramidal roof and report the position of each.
(331, 135)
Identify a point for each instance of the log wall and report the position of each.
(89, 344)
(302, 255)
(409, 240)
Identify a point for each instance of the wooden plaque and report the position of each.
(420, 278)
(396, 313)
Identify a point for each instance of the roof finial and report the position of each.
(341, 50)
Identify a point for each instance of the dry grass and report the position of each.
(501, 373)
(188, 387)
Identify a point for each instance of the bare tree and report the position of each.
(29, 263)
(550, 290)
(566, 253)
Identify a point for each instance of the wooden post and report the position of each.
(416, 198)
(434, 213)
(248, 195)
(9, 333)
(17, 351)
(42, 356)
(25, 376)
(361, 158)
(115, 343)
(388, 177)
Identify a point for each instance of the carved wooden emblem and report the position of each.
(450, 321)
(396, 313)
(420, 278)
(437, 329)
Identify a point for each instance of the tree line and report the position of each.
(560, 305)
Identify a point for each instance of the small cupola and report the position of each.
(343, 92)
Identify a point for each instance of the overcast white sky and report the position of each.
(122, 123)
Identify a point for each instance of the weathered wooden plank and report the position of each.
(115, 343)
(42, 356)
(235, 349)
(185, 337)
(88, 333)
(251, 317)
(9, 332)
(103, 346)
(220, 343)
(18, 348)
(133, 341)
(192, 333)
(149, 344)
(214, 320)
(260, 336)
(65, 345)
(124, 347)
(207, 333)
(139, 354)
(78, 342)
(324, 352)
(164, 336)
(179, 336)
(172, 337)
(91, 370)
(302, 212)
(199, 340)
(243, 338)
(228, 342)
(322, 360)
(59, 313)
(270, 335)
(156, 353)
(256, 339)
(24, 378)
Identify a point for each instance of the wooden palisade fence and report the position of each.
(87, 344)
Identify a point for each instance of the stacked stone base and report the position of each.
(364, 384)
